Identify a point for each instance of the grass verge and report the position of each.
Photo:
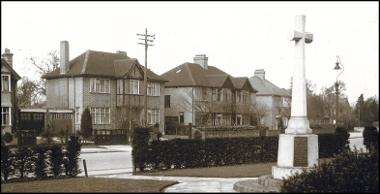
(87, 185)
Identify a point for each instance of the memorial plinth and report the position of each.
(298, 147)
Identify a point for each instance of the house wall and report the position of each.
(180, 101)
(57, 93)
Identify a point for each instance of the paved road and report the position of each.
(107, 160)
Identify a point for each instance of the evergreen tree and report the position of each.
(86, 124)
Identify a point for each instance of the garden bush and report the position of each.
(23, 162)
(73, 147)
(371, 138)
(40, 163)
(8, 137)
(56, 160)
(6, 162)
(349, 172)
(140, 140)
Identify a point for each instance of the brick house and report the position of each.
(9, 79)
(109, 84)
(273, 101)
(207, 96)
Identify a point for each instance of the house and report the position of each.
(207, 96)
(9, 79)
(110, 85)
(273, 102)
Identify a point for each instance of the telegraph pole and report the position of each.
(146, 39)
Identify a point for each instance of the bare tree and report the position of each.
(260, 110)
(44, 66)
(27, 93)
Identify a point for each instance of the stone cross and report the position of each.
(298, 123)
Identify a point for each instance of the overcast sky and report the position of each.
(237, 37)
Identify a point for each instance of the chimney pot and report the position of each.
(8, 56)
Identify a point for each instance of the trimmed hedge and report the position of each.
(191, 153)
(39, 162)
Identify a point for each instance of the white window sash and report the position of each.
(9, 83)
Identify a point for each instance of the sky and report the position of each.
(237, 37)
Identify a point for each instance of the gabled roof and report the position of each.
(192, 74)
(101, 64)
(15, 75)
(265, 87)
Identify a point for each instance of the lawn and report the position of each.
(87, 185)
(233, 171)
(243, 170)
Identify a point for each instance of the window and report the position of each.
(5, 83)
(245, 98)
(219, 119)
(5, 116)
(134, 86)
(214, 94)
(167, 101)
(38, 116)
(153, 116)
(219, 95)
(119, 86)
(238, 96)
(181, 118)
(239, 120)
(77, 115)
(153, 89)
(100, 115)
(99, 85)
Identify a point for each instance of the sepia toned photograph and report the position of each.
(189, 97)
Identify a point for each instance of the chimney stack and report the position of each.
(121, 53)
(64, 58)
(201, 60)
(260, 73)
(8, 56)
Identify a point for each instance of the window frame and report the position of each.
(9, 83)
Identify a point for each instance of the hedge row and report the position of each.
(40, 161)
(185, 153)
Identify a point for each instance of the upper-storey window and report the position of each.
(6, 83)
(245, 97)
(134, 87)
(100, 85)
(153, 89)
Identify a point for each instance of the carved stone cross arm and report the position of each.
(299, 35)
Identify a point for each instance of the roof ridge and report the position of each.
(190, 73)
(85, 61)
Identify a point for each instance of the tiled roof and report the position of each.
(265, 87)
(192, 74)
(104, 64)
(15, 75)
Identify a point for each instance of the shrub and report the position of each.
(56, 159)
(6, 162)
(348, 172)
(371, 138)
(140, 140)
(86, 124)
(341, 139)
(40, 164)
(23, 161)
(8, 137)
(73, 147)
